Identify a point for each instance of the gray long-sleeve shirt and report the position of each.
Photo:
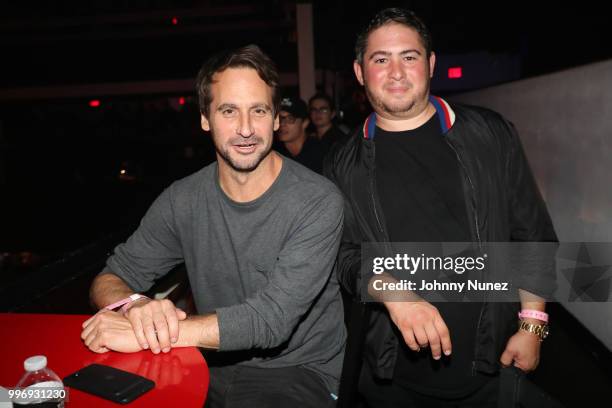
(265, 267)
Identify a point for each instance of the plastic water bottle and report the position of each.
(39, 386)
(5, 398)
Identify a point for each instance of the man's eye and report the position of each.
(260, 112)
(409, 58)
(380, 60)
(228, 112)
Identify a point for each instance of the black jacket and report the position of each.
(503, 205)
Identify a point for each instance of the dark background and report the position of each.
(60, 159)
(70, 42)
(64, 201)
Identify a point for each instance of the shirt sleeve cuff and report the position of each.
(235, 328)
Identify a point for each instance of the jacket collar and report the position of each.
(445, 114)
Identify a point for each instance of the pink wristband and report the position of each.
(125, 302)
(534, 314)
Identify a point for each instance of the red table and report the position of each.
(181, 376)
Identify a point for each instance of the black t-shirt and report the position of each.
(420, 188)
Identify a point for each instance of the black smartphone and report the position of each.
(109, 383)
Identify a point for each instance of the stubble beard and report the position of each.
(401, 108)
(242, 167)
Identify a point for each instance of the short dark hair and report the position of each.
(325, 97)
(249, 56)
(389, 16)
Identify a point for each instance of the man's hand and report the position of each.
(108, 330)
(421, 325)
(524, 350)
(155, 323)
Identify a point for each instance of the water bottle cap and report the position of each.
(35, 363)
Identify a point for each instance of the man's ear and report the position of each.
(205, 123)
(358, 71)
(305, 123)
(276, 122)
(432, 64)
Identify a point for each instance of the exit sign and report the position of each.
(455, 72)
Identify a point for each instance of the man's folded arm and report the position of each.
(108, 288)
(112, 331)
(199, 331)
(151, 251)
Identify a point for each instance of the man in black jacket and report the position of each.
(434, 173)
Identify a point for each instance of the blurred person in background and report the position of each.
(292, 138)
(322, 114)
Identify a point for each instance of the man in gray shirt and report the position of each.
(258, 234)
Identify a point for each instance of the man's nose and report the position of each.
(245, 126)
(395, 69)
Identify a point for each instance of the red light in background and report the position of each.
(94, 103)
(455, 72)
(181, 101)
(174, 21)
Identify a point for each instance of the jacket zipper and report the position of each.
(372, 186)
(467, 175)
(372, 191)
